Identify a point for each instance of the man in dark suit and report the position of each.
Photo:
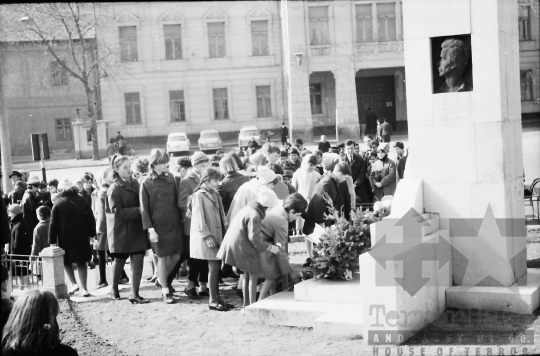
(284, 134)
(358, 168)
(386, 131)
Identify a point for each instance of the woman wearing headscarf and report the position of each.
(161, 217)
(383, 174)
(125, 234)
(72, 224)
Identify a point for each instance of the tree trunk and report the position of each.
(93, 124)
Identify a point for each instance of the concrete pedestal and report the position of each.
(83, 147)
(53, 271)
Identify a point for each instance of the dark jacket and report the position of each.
(293, 166)
(159, 210)
(21, 238)
(187, 187)
(16, 195)
(72, 224)
(125, 233)
(4, 224)
(228, 187)
(283, 133)
(317, 207)
(324, 146)
(40, 237)
(45, 199)
(362, 187)
(29, 204)
(401, 167)
(276, 167)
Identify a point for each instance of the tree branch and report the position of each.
(71, 49)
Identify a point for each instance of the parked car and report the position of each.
(177, 142)
(210, 140)
(247, 133)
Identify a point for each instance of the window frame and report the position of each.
(394, 16)
(268, 100)
(56, 67)
(356, 18)
(261, 54)
(528, 78)
(214, 111)
(166, 37)
(327, 28)
(183, 101)
(136, 52)
(528, 25)
(224, 36)
(63, 127)
(131, 109)
(312, 99)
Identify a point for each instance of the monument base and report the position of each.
(61, 292)
(520, 299)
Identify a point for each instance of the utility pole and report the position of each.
(5, 146)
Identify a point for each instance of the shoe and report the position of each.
(168, 299)
(228, 305)
(74, 289)
(91, 265)
(307, 263)
(115, 295)
(85, 293)
(102, 285)
(229, 274)
(138, 300)
(171, 289)
(204, 293)
(157, 283)
(123, 280)
(218, 306)
(192, 293)
(152, 279)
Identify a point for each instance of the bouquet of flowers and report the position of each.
(336, 255)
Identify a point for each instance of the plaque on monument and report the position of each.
(452, 64)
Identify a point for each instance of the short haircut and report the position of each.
(296, 202)
(312, 160)
(343, 168)
(44, 212)
(211, 173)
(215, 164)
(349, 143)
(299, 141)
(141, 165)
(158, 156)
(216, 158)
(88, 177)
(42, 185)
(54, 183)
(269, 148)
(293, 151)
(284, 154)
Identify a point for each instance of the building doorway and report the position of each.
(322, 97)
(375, 95)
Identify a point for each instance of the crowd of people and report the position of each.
(226, 216)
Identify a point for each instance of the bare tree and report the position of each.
(68, 32)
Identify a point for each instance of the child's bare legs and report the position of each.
(83, 273)
(250, 289)
(269, 288)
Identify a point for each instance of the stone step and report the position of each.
(329, 291)
(339, 325)
(283, 309)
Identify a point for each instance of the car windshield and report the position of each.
(209, 135)
(249, 133)
(177, 138)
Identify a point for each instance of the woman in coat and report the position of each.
(383, 174)
(21, 242)
(72, 224)
(161, 217)
(243, 242)
(208, 226)
(125, 234)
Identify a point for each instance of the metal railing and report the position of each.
(26, 271)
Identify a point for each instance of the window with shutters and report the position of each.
(318, 25)
(526, 85)
(386, 21)
(133, 108)
(178, 108)
(128, 43)
(264, 101)
(173, 41)
(216, 39)
(58, 74)
(364, 23)
(315, 94)
(259, 38)
(524, 23)
(221, 110)
(63, 129)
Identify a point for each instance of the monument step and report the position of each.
(329, 291)
(339, 325)
(283, 309)
(514, 299)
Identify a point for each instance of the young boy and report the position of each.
(41, 231)
(293, 163)
(283, 158)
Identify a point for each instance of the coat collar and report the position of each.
(130, 187)
(154, 175)
(234, 174)
(194, 176)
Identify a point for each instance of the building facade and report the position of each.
(223, 65)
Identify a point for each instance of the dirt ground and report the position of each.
(106, 327)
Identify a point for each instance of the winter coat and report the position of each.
(305, 182)
(284, 133)
(101, 243)
(125, 233)
(401, 167)
(243, 241)
(21, 237)
(159, 210)
(187, 187)
(317, 206)
(385, 172)
(293, 166)
(71, 226)
(228, 186)
(324, 146)
(41, 237)
(274, 230)
(246, 193)
(45, 199)
(208, 221)
(362, 187)
(16, 195)
(29, 204)
(4, 225)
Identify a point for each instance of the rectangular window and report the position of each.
(89, 137)
(63, 129)
(128, 43)
(221, 110)
(386, 21)
(216, 39)
(318, 25)
(178, 109)
(58, 74)
(264, 101)
(259, 38)
(173, 41)
(364, 23)
(526, 85)
(524, 23)
(315, 94)
(133, 108)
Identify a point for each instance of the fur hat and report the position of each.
(265, 175)
(228, 164)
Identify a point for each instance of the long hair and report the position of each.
(32, 325)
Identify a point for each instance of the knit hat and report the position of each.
(328, 163)
(184, 162)
(237, 159)
(287, 173)
(65, 183)
(265, 175)
(199, 157)
(228, 164)
(33, 180)
(266, 197)
(16, 209)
